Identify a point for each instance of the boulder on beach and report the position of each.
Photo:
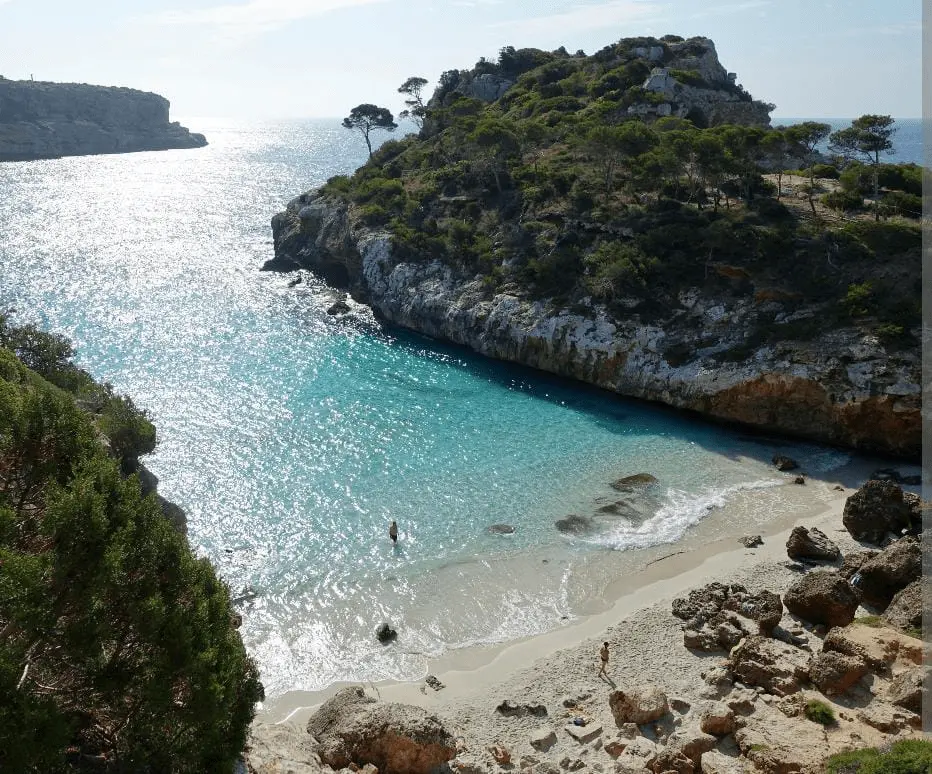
(776, 667)
(822, 597)
(811, 544)
(905, 611)
(835, 673)
(879, 508)
(642, 704)
(906, 690)
(751, 541)
(353, 730)
(890, 571)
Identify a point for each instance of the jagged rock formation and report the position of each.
(40, 120)
(686, 79)
(840, 387)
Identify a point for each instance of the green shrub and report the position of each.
(825, 171)
(907, 756)
(819, 712)
(373, 214)
(844, 201)
(858, 298)
(689, 77)
(887, 239)
(901, 203)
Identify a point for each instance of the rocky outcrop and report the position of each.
(692, 83)
(823, 598)
(839, 387)
(776, 667)
(641, 704)
(718, 616)
(905, 611)
(351, 728)
(892, 570)
(880, 508)
(40, 120)
(834, 673)
(906, 690)
(811, 544)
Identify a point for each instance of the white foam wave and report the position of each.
(680, 511)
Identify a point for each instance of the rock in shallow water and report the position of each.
(502, 529)
(385, 633)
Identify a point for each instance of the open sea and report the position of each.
(293, 439)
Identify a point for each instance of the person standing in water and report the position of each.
(393, 532)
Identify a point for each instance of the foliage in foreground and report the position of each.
(908, 756)
(116, 646)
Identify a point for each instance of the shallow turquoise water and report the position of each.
(293, 440)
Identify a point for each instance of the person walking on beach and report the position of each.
(603, 655)
(393, 532)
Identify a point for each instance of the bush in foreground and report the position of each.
(116, 645)
(908, 756)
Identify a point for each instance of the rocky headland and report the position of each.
(40, 120)
(526, 243)
(838, 386)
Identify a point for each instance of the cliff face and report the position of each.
(841, 387)
(47, 120)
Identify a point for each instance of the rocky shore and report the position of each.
(837, 385)
(765, 659)
(40, 120)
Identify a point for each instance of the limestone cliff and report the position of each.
(40, 120)
(840, 387)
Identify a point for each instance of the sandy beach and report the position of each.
(559, 669)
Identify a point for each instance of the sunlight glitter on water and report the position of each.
(292, 439)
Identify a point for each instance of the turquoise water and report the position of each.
(293, 439)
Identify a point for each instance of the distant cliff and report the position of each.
(40, 120)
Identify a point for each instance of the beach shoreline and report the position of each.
(665, 571)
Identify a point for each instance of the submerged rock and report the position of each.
(502, 529)
(634, 483)
(575, 525)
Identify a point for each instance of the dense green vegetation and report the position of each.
(555, 191)
(117, 649)
(908, 756)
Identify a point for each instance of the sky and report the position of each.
(266, 59)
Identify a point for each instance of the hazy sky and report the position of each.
(291, 58)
